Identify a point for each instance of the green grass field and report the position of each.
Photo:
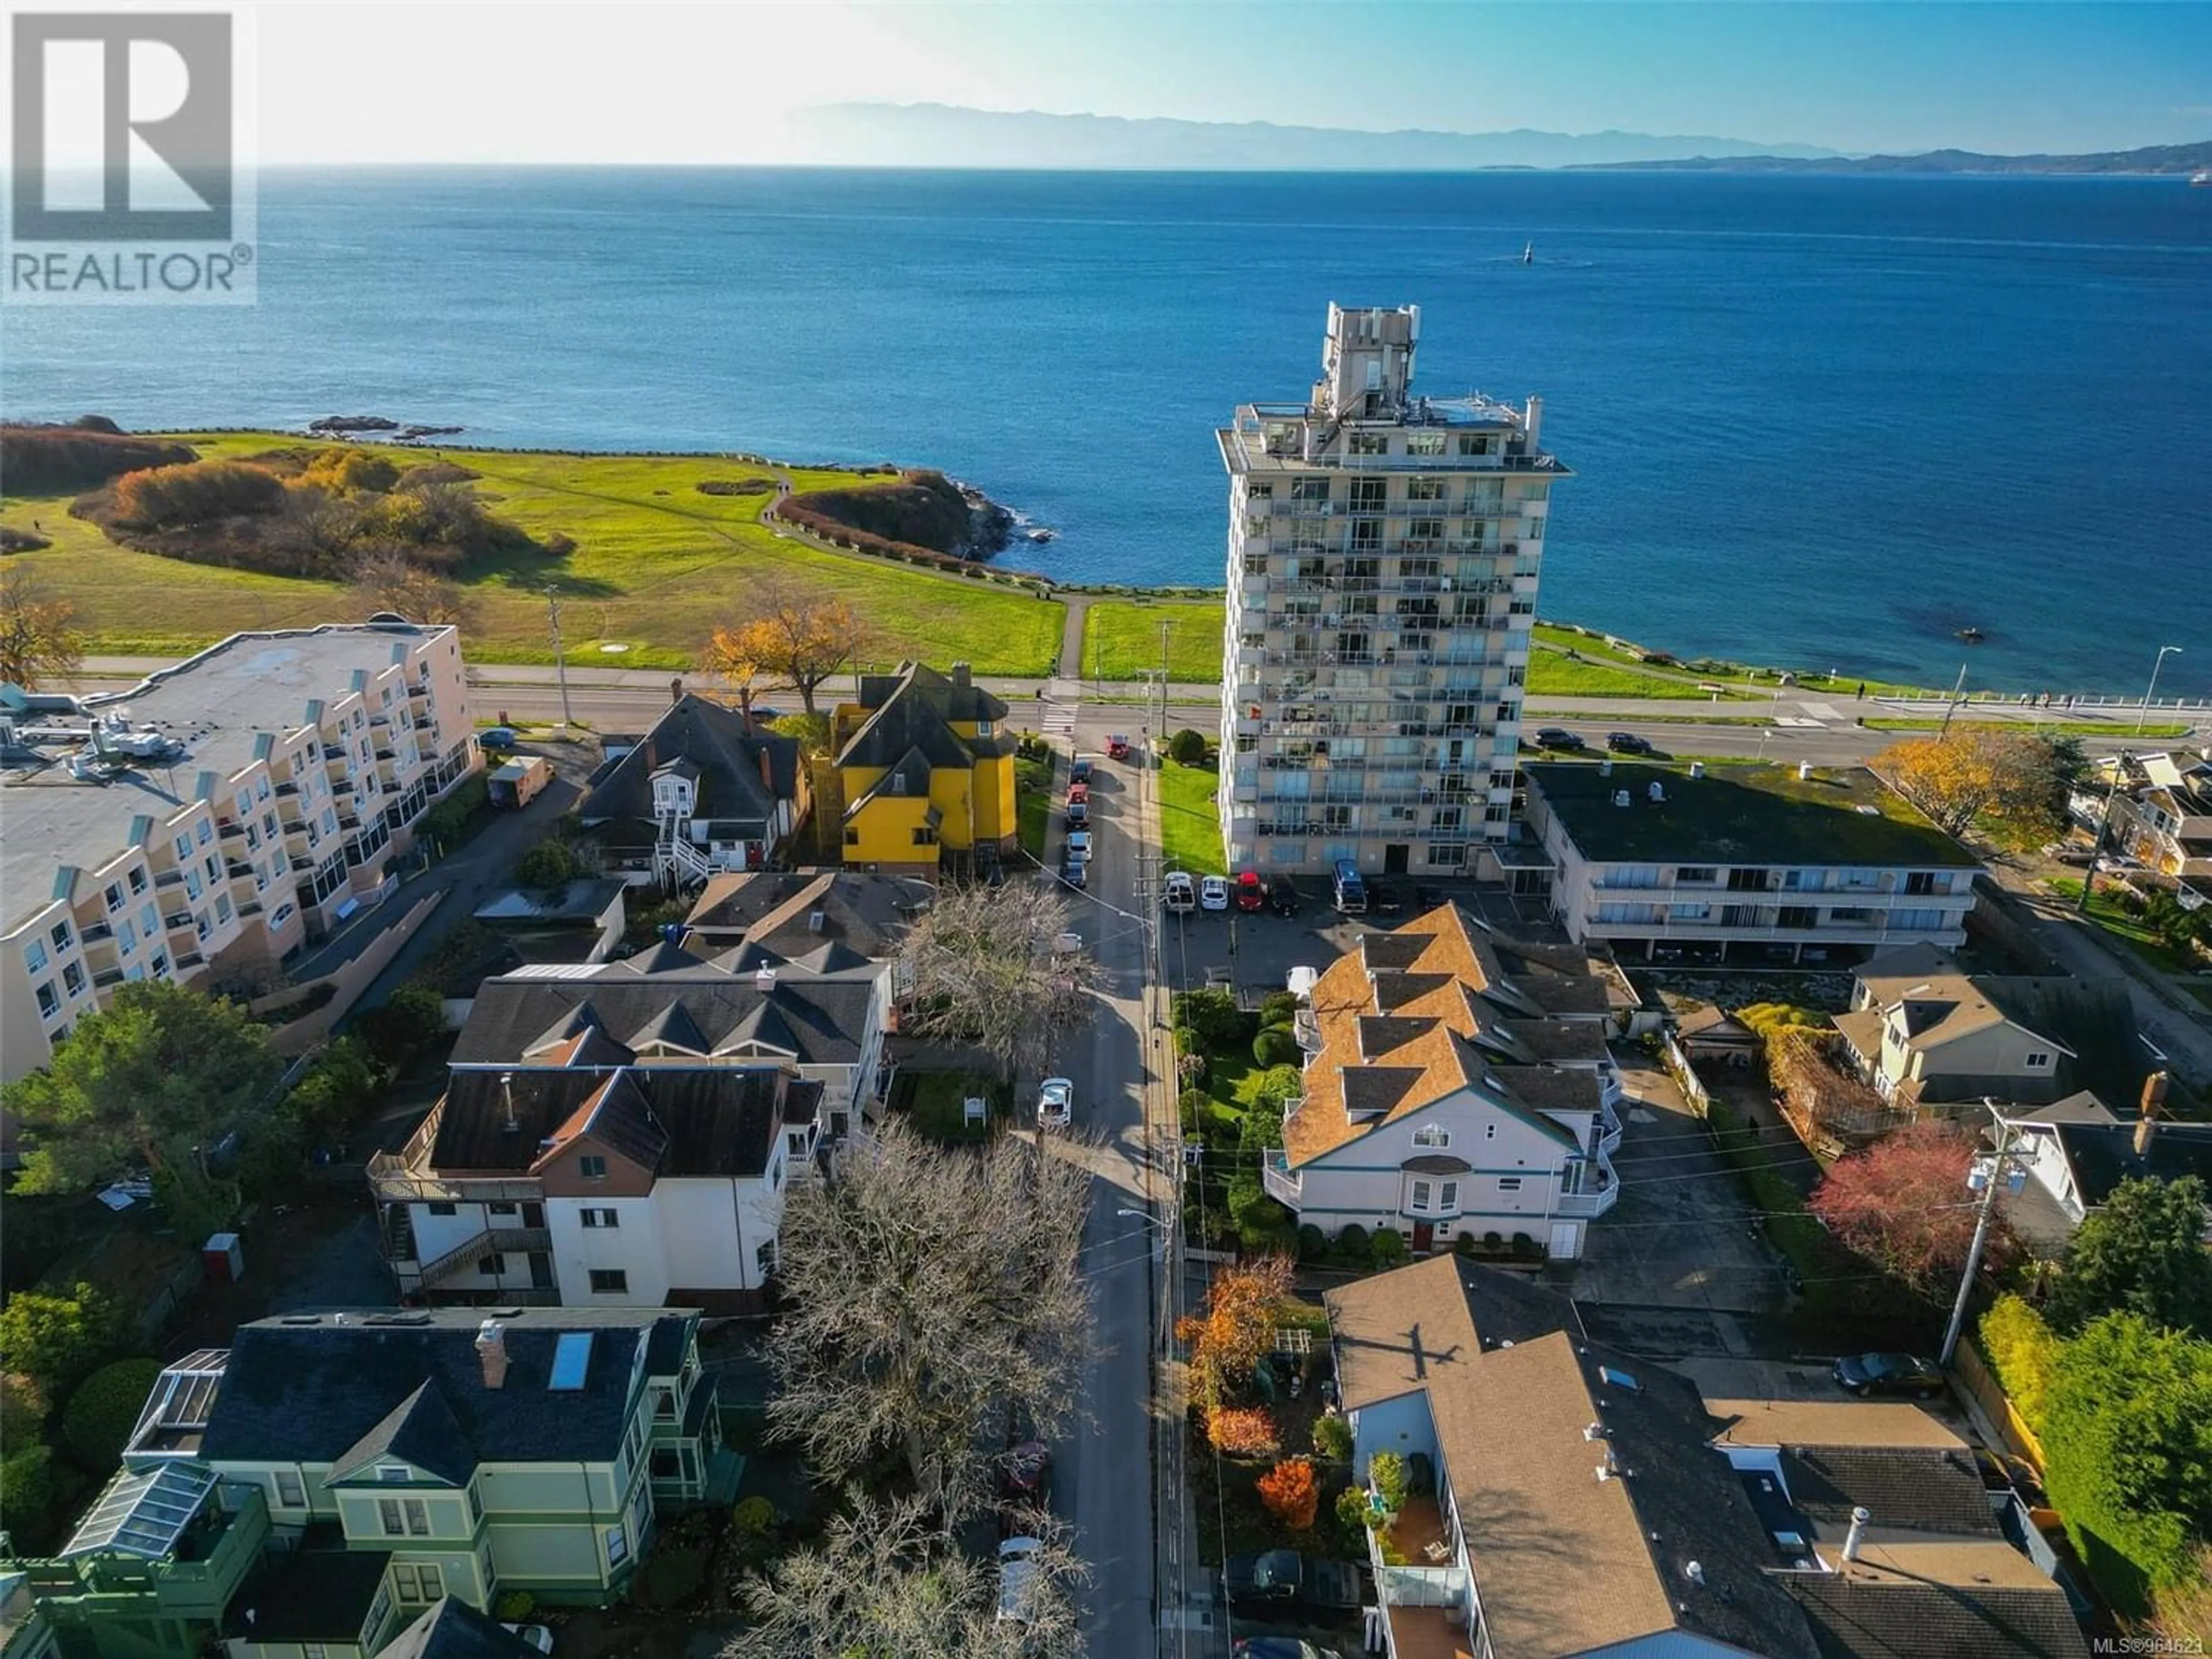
(1121, 640)
(1737, 675)
(657, 564)
(1190, 829)
(2058, 728)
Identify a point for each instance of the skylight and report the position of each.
(144, 1514)
(1615, 1377)
(572, 1357)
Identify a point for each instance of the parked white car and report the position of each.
(1179, 893)
(1213, 893)
(1079, 847)
(1056, 1103)
(1018, 1573)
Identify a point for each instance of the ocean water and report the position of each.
(1814, 421)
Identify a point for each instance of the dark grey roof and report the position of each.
(620, 1119)
(1372, 1089)
(318, 1592)
(308, 1387)
(473, 1133)
(1853, 1619)
(719, 1120)
(580, 902)
(712, 739)
(866, 911)
(672, 1027)
(420, 1430)
(824, 1016)
(452, 1629)
(2104, 1155)
(913, 712)
(1929, 1489)
(1689, 1501)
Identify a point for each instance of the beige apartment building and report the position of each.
(214, 819)
(1384, 550)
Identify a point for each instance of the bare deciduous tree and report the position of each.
(386, 579)
(932, 1291)
(985, 970)
(40, 639)
(887, 1584)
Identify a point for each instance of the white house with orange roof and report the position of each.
(1457, 1082)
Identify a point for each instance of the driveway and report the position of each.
(1674, 1269)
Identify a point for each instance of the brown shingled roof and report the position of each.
(1410, 999)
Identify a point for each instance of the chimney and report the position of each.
(507, 1099)
(768, 772)
(961, 674)
(2153, 1098)
(491, 1352)
(1857, 1536)
(676, 690)
(764, 978)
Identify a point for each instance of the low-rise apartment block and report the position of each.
(1456, 1084)
(216, 818)
(624, 1133)
(1751, 865)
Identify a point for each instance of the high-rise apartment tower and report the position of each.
(1383, 555)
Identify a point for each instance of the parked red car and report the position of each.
(1078, 794)
(1117, 746)
(1251, 892)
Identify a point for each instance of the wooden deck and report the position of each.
(1419, 1525)
(1426, 1633)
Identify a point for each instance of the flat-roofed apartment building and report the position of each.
(215, 818)
(1383, 556)
(1752, 864)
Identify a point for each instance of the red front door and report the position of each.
(1425, 1238)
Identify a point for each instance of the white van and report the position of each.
(1180, 893)
(1018, 1573)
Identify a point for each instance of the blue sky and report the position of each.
(645, 81)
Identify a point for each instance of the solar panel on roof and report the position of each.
(572, 1357)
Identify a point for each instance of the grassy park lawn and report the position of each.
(657, 564)
(1190, 830)
(1121, 640)
(2055, 728)
(1695, 669)
(1552, 675)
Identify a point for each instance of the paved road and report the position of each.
(1104, 1485)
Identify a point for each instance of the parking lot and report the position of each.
(1256, 951)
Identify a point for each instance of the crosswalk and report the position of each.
(1061, 703)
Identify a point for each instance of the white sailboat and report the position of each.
(1529, 254)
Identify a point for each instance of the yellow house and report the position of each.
(923, 775)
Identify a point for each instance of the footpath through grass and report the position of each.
(657, 564)
(1190, 827)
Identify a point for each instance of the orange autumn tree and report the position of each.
(1237, 1329)
(1291, 1494)
(785, 634)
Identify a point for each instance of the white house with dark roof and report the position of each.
(702, 793)
(1456, 1083)
(2077, 1150)
(1923, 1032)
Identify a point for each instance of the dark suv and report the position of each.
(1283, 896)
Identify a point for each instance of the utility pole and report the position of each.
(2104, 825)
(1981, 1233)
(1952, 707)
(559, 661)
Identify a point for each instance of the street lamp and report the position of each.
(1151, 1220)
(2154, 667)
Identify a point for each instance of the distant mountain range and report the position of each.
(2158, 158)
(945, 136)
